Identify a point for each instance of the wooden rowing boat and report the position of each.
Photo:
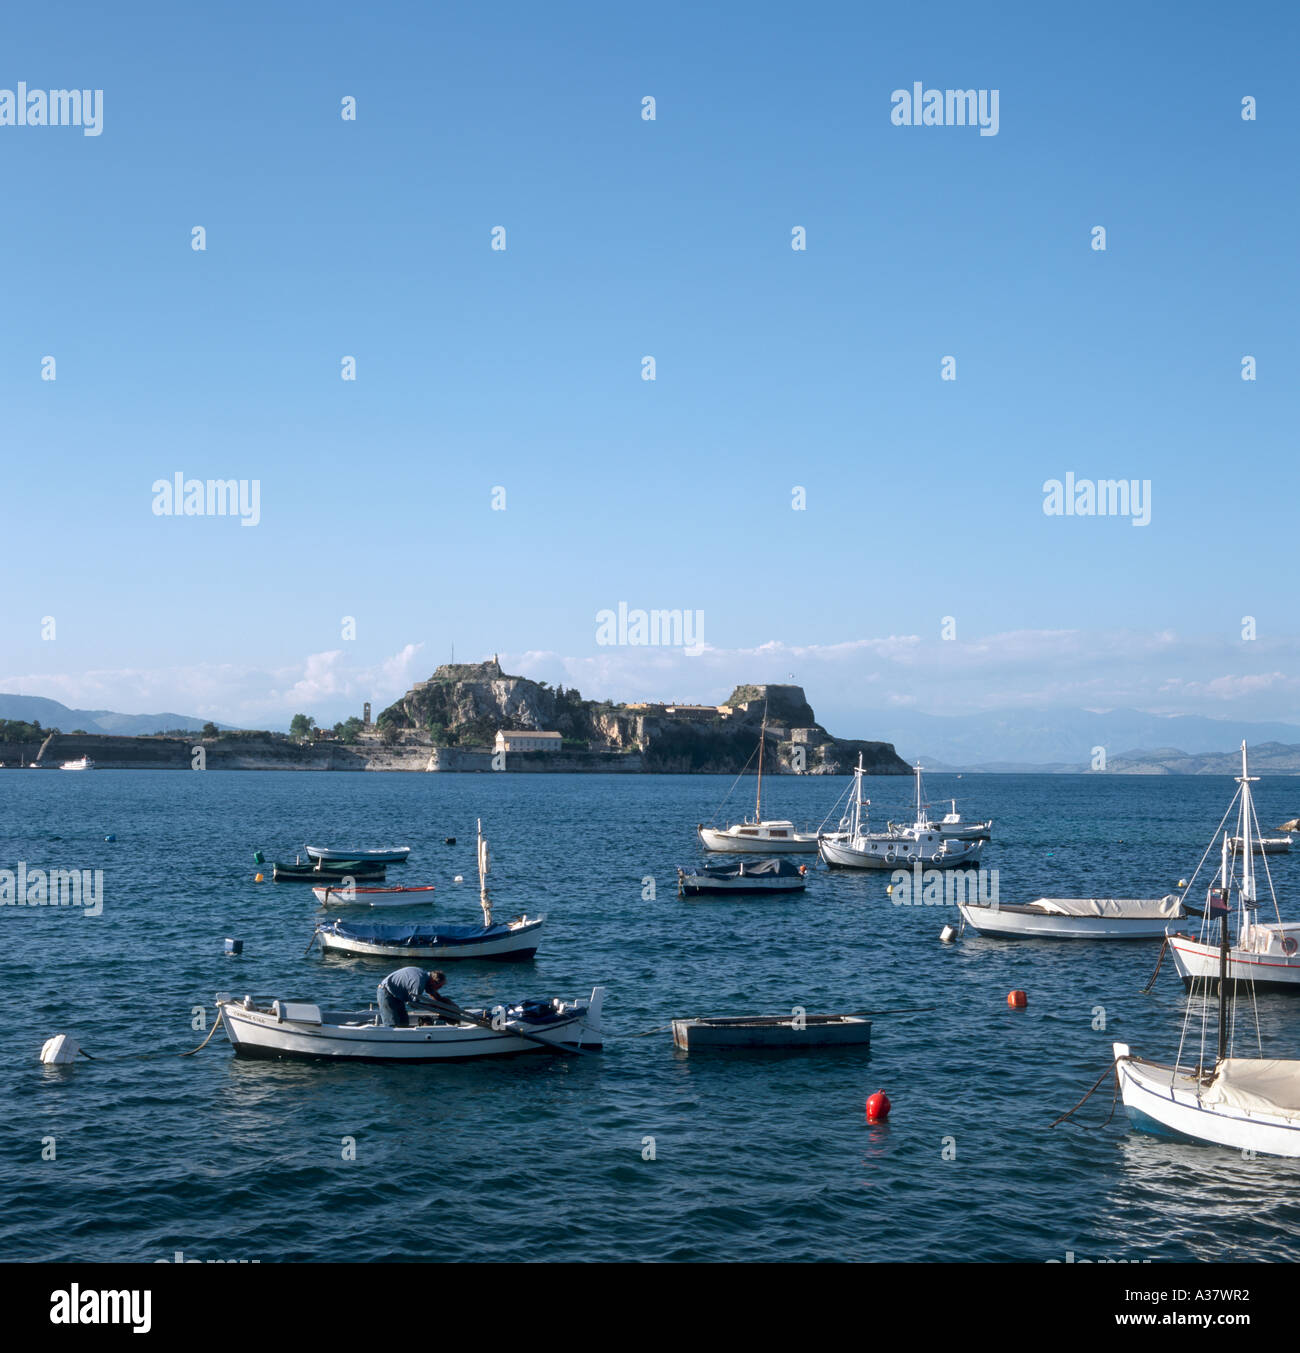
(404, 895)
(301, 1029)
(379, 855)
(314, 873)
(772, 1031)
(505, 941)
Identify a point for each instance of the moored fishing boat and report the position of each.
(503, 940)
(745, 878)
(377, 855)
(302, 1029)
(950, 825)
(1075, 918)
(758, 835)
(1249, 1103)
(316, 873)
(854, 847)
(771, 1031)
(343, 895)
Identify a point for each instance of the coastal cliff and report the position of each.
(463, 707)
(451, 723)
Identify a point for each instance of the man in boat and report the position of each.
(408, 986)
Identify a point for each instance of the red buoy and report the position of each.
(878, 1107)
(1017, 1000)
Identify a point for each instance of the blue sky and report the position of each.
(625, 238)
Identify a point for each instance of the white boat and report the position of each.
(376, 855)
(1212, 1095)
(949, 825)
(759, 835)
(82, 763)
(504, 940)
(344, 895)
(1250, 1103)
(1076, 918)
(745, 878)
(854, 847)
(1266, 845)
(772, 1031)
(301, 1029)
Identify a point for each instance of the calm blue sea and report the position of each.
(542, 1158)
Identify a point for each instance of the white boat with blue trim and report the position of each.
(362, 855)
(303, 1029)
(502, 941)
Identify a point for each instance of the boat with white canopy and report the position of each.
(1075, 918)
(758, 835)
(854, 847)
(1212, 1092)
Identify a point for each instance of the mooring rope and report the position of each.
(1164, 944)
(1090, 1094)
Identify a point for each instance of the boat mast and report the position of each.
(1223, 953)
(484, 866)
(762, 738)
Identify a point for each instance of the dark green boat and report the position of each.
(337, 871)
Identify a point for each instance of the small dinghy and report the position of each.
(403, 895)
(301, 1029)
(317, 873)
(1076, 918)
(379, 855)
(742, 880)
(505, 941)
(1264, 845)
(772, 1031)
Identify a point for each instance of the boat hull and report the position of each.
(332, 895)
(1197, 961)
(768, 1031)
(900, 854)
(260, 1033)
(306, 873)
(384, 855)
(517, 944)
(731, 842)
(1163, 1100)
(695, 885)
(1014, 922)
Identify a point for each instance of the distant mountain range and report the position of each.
(52, 714)
(1062, 739)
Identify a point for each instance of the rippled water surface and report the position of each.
(755, 1157)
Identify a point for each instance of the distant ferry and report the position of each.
(84, 763)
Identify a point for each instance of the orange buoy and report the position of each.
(878, 1107)
(1017, 1000)
(261, 878)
